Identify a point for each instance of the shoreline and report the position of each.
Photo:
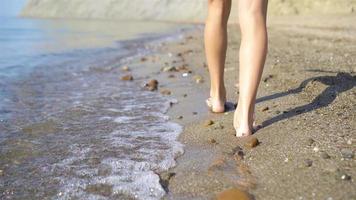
(301, 95)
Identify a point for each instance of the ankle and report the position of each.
(218, 94)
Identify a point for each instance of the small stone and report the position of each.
(195, 113)
(143, 59)
(169, 69)
(180, 117)
(125, 68)
(286, 160)
(340, 174)
(185, 74)
(152, 85)
(324, 155)
(347, 153)
(345, 177)
(234, 194)
(316, 149)
(185, 95)
(251, 142)
(308, 162)
(265, 108)
(349, 142)
(1, 172)
(166, 92)
(171, 76)
(127, 77)
(198, 79)
(212, 141)
(310, 141)
(208, 122)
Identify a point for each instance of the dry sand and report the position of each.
(306, 106)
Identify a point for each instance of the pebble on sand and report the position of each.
(198, 79)
(127, 77)
(208, 122)
(251, 142)
(308, 162)
(347, 153)
(166, 92)
(143, 59)
(152, 85)
(265, 108)
(125, 68)
(234, 194)
(310, 141)
(324, 155)
(169, 69)
(171, 76)
(212, 141)
(180, 117)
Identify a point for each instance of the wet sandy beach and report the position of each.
(306, 111)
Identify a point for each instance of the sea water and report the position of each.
(69, 128)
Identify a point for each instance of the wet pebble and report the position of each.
(169, 69)
(251, 142)
(125, 68)
(166, 92)
(1, 172)
(198, 79)
(143, 59)
(208, 122)
(152, 85)
(234, 194)
(171, 76)
(127, 77)
(347, 153)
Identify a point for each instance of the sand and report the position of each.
(306, 109)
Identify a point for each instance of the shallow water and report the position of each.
(69, 128)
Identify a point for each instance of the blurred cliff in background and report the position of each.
(171, 10)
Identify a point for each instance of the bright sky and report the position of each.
(11, 7)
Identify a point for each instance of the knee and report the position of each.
(219, 7)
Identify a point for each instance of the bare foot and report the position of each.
(243, 125)
(216, 103)
(216, 106)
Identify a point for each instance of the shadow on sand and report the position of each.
(336, 85)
